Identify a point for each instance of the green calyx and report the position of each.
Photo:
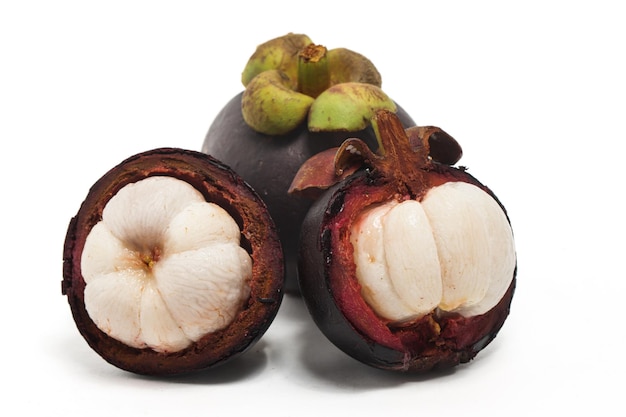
(347, 106)
(289, 80)
(280, 54)
(271, 106)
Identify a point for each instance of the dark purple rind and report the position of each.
(269, 164)
(418, 348)
(444, 149)
(219, 184)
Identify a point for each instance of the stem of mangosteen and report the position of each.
(398, 158)
(313, 70)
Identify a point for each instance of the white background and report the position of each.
(534, 91)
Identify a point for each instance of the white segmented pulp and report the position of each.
(453, 251)
(380, 246)
(164, 267)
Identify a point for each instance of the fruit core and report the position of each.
(164, 267)
(453, 251)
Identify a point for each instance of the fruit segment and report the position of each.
(393, 242)
(164, 267)
(475, 246)
(199, 225)
(140, 212)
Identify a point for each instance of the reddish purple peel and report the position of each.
(317, 174)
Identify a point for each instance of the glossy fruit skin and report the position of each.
(269, 164)
(219, 184)
(331, 292)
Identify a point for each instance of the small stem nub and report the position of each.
(151, 257)
(313, 70)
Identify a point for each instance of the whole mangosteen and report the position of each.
(299, 99)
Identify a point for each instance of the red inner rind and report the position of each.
(344, 284)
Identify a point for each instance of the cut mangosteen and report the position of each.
(408, 264)
(172, 264)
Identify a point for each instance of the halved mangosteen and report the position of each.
(172, 264)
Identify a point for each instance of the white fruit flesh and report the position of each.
(454, 251)
(164, 267)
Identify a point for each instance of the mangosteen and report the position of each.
(299, 99)
(172, 264)
(406, 264)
